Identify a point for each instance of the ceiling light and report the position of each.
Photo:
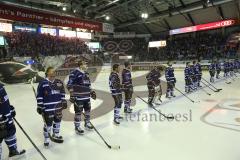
(107, 18)
(144, 15)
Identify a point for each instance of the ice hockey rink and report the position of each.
(207, 129)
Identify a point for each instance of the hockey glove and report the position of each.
(39, 110)
(64, 104)
(93, 95)
(13, 112)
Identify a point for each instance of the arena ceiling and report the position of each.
(126, 14)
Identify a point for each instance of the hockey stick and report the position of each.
(219, 89)
(228, 82)
(109, 146)
(186, 95)
(168, 117)
(205, 91)
(34, 145)
(49, 135)
(209, 87)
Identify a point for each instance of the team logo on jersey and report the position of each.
(59, 84)
(3, 99)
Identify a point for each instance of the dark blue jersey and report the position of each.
(5, 109)
(169, 74)
(212, 67)
(192, 72)
(236, 64)
(115, 84)
(153, 77)
(50, 95)
(188, 72)
(199, 68)
(231, 66)
(126, 78)
(79, 85)
(226, 67)
(218, 66)
(195, 70)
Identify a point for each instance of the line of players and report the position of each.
(193, 73)
(51, 96)
(230, 67)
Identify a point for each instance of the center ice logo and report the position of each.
(225, 115)
(107, 102)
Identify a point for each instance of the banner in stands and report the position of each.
(67, 33)
(5, 27)
(51, 31)
(202, 27)
(84, 35)
(157, 44)
(25, 28)
(32, 16)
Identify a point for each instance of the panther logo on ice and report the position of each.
(107, 102)
(224, 115)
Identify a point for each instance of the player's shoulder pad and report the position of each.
(43, 81)
(59, 82)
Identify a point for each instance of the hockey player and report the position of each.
(116, 91)
(79, 86)
(127, 87)
(196, 73)
(231, 68)
(51, 101)
(226, 66)
(199, 73)
(212, 71)
(7, 127)
(171, 80)
(188, 78)
(153, 81)
(218, 69)
(236, 66)
(226, 69)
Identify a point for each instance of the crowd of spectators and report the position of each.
(202, 46)
(199, 46)
(32, 44)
